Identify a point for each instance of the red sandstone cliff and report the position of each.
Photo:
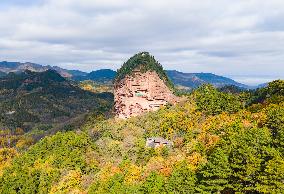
(139, 93)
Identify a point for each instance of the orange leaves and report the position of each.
(70, 183)
(259, 118)
(155, 164)
(19, 131)
(25, 142)
(132, 174)
(6, 156)
(88, 87)
(178, 142)
(247, 123)
(163, 166)
(166, 171)
(108, 171)
(195, 159)
(208, 140)
(215, 123)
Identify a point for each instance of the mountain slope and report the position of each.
(20, 67)
(102, 75)
(34, 98)
(193, 80)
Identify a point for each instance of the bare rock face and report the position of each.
(139, 93)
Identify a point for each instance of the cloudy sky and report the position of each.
(242, 39)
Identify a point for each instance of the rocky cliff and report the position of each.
(140, 91)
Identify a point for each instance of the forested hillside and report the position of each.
(44, 99)
(224, 142)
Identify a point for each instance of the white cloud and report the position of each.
(224, 37)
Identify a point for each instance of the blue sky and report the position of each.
(241, 39)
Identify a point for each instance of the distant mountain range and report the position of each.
(193, 80)
(102, 75)
(17, 67)
(183, 80)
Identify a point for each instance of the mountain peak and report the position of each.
(51, 74)
(143, 62)
(29, 80)
(141, 85)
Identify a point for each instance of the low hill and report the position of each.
(30, 98)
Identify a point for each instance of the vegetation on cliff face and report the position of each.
(223, 143)
(144, 62)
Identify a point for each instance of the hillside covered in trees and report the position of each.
(224, 142)
(44, 99)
